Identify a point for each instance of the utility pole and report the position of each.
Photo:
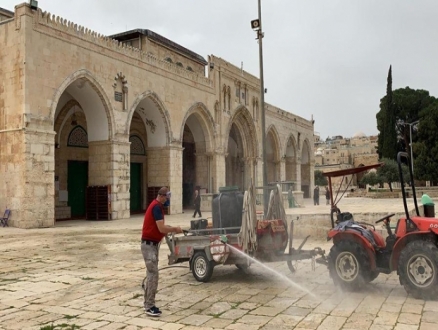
(257, 26)
(410, 142)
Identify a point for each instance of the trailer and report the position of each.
(207, 248)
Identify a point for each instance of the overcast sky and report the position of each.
(326, 58)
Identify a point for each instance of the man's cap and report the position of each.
(163, 191)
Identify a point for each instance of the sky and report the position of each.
(326, 58)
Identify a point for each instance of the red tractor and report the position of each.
(359, 253)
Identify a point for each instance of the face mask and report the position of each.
(168, 195)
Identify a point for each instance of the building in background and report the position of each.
(338, 153)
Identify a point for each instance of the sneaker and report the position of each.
(153, 311)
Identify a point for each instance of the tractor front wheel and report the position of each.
(417, 269)
(350, 265)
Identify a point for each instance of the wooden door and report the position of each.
(77, 181)
(135, 188)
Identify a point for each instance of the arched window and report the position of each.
(137, 146)
(78, 138)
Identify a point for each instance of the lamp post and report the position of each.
(257, 26)
(410, 141)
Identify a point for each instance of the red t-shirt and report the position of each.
(150, 229)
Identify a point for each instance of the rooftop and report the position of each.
(128, 35)
(6, 12)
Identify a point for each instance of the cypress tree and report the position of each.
(389, 143)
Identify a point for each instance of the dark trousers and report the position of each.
(197, 210)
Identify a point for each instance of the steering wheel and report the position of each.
(385, 217)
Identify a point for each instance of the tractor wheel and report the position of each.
(202, 268)
(417, 269)
(350, 265)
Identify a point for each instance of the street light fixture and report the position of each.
(256, 25)
(410, 141)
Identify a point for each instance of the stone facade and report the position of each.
(80, 109)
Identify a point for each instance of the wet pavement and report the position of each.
(89, 274)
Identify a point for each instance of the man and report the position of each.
(290, 197)
(197, 204)
(153, 232)
(316, 196)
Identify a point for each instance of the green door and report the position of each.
(77, 181)
(135, 189)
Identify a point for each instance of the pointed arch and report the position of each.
(205, 119)
(153, 97)
(95, 118)
(290, 147)
(305, 152)
(276, 137)
(243, 120)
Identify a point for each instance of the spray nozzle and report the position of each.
(224, 239)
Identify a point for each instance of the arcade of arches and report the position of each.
(119, 118)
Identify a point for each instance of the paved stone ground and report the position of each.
(89, 274)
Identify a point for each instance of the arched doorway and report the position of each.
(291, 160)
(235, 164)
(196, 139)
(272, 156)
(241, 150)
(83, 126)
(149, 158)
(138, 164)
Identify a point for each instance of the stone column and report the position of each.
(210, 178)
(175, 177)
(218, 170)
(283, 169)
(33, 196)
(109, 164)
(298, 175)
(312, 179)
(260, 170)
(165, 169)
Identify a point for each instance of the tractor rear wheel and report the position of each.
(350, 265)
(417, 269)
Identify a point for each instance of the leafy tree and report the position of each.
(320, 180)
(371, 178)
(388, 173)
(408, 104)
(426, 147)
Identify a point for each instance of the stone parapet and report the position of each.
(71, 30)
